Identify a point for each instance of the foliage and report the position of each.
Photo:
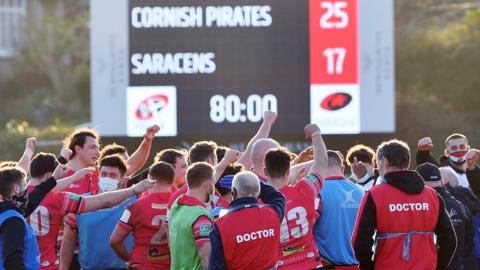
(14, 134)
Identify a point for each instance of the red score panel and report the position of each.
(333, 41)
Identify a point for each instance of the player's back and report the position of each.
(149, 228)
(297, 246)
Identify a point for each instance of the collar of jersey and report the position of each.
(190, 201)
(335, 177)
(243, 201)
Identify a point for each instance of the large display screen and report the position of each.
(211, 67)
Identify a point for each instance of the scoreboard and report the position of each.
(211, 67)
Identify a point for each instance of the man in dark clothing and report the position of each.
(458, 155)
(460, 216)
(18, 243)
(472, 202)
(405, 215)
(248, 229)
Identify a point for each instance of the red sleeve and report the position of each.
(201, 230)
(71, 222)
(73, 203)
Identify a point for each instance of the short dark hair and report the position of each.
(42, 163)
(277, 162)
(8, 163)
(396, 152)
(220, 151)
(114, 161)
(335, 158)
(170, 156)
(9, 176)
(202, 151)
(455, 136)
(362, 152)
(78, 138)
(162, 172)
(231, 169)
(112, 149)
(198, 173)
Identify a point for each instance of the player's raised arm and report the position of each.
(24, 161)
(138, 158)
(231, 156)
(320, 164)
(269, 118)
(112, 198)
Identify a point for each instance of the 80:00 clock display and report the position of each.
(233, 110)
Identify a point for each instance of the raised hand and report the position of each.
(472, 158)
(60, 171)
(66, 153)
(310, 129)
(425, 144)
(232, 155)
(151, 131)
(269, 117)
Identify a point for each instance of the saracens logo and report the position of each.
(336, 101)
(148, 108)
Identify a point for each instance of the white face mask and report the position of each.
(107, 184)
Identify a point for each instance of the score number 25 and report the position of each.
(335, 17)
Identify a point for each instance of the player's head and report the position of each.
(392, 155)
(12, 183)
(277, 165)
(200, 178)
(335, 163)
(162, 172)
(245, 184)
(112, 171)
(449, 176)
(259, 149)
(84, 146)
(224, 185)
(42, 166)
(113, 149)
(456, 147)
(363, 154)
(203, 151)
(178, 160)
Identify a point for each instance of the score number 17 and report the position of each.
(335, 17)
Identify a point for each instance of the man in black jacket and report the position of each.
(458, 155)
(460, 216)
(19, 245)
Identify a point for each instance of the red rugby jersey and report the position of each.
(146, 219)
(297, 248)
(89, 184)
(47, 219)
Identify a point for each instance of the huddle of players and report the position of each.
(168, 208)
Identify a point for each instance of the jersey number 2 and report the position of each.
(161, 236)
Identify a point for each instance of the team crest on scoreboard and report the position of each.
(150, 105)
(335, 108)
